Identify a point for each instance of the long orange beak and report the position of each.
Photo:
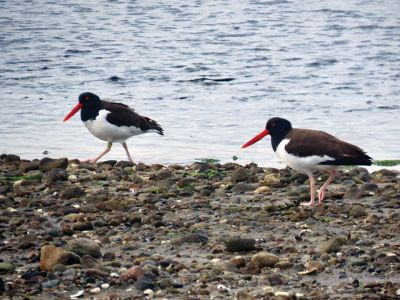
(256, 138)
(73, 111)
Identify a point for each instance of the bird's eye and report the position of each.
(86, 97)
(273, 124)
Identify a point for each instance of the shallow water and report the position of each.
(211, 72)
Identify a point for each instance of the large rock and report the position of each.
(240, 174)
(263, 259)
(84, 247)
(46, 164)
(51, 256)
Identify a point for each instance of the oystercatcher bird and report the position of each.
(111, 122)
(306, 151)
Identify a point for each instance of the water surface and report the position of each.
(211, 72)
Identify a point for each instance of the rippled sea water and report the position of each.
(211, 72)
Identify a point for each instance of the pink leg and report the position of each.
(322, 190)
(127, 152)
(312, 191)
(109, 145)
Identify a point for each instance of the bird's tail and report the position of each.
(154, 126)
(362, 160)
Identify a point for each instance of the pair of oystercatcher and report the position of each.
(304, 150)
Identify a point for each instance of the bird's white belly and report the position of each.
(305, 165)
(106, 131)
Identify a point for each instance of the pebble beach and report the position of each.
(119, 230)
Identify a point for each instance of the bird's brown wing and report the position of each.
(305, 142)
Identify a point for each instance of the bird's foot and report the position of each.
(89, 161)
(311, 204)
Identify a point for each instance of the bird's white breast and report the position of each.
(305, 165)
(106, 131)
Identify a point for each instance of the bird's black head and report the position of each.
(278, 128)
(90, 105)
(89, 99)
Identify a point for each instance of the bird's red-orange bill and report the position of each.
(73, 111)
(256, 138)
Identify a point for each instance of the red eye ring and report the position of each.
(86, 97)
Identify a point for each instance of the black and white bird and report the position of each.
(111, 122)
(307, 151)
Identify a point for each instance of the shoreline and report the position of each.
(201, 230)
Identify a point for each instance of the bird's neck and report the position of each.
(90, 112)
(276, 139)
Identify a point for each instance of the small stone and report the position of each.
(143, 283)
(109, 256)
(51, 256)
(82, 226)
(191, 238)
(243, 187)
(72, 192)
(272, 180)
(263, 259)
(238, 244)
(275, 279)
(310, 271)
(67, 230)
(95, 290)
(59, 268)
(88, 261)
(263, 190)
(348, 182)
(82, 246)
(333, 245)
(148, 293)
(238, 262)
(105, 286)
(372, 219)
(316, 264)
(6, 267)
(54, 175)
(358, 211)
(133, 273)
(73, 178)
(356, 262)
(51, 284)
(283, 264)
(54, 232)
(369, 187)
